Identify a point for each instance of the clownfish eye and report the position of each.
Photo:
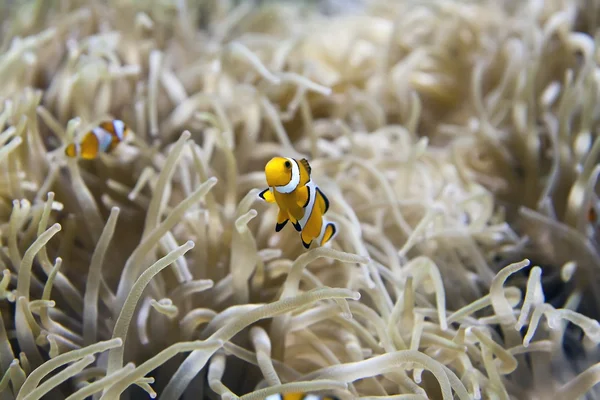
(287, 164)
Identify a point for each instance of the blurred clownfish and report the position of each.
(299, 396)
(592, 215)
(299, 200)
(102, 139)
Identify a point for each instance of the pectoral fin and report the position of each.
(267, 196)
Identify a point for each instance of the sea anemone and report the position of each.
(456, 142)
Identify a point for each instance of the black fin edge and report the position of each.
(326, 200)
(262, 194)
(279, 226)
(307, 198)
(306, 245)
(333, 232)
(306, 164)
(297, 226)
(333, 228)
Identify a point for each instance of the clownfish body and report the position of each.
(299, 396)
(299, 200)
(102, 139)
(592, 215)
(592, 218)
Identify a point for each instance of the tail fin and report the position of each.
(329, 233)
(70, 150)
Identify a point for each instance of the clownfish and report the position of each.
(299, 200)
(592, 215)
(299, 396)
(102, 139)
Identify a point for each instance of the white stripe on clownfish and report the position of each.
(104, 139)
(312, 199)
(119, 129)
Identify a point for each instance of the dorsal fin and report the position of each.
(304, 162)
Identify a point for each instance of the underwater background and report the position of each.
(457, 144)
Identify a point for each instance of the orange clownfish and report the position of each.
(592, 215)
(299, 396)
(299, 200)
(102, 139)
